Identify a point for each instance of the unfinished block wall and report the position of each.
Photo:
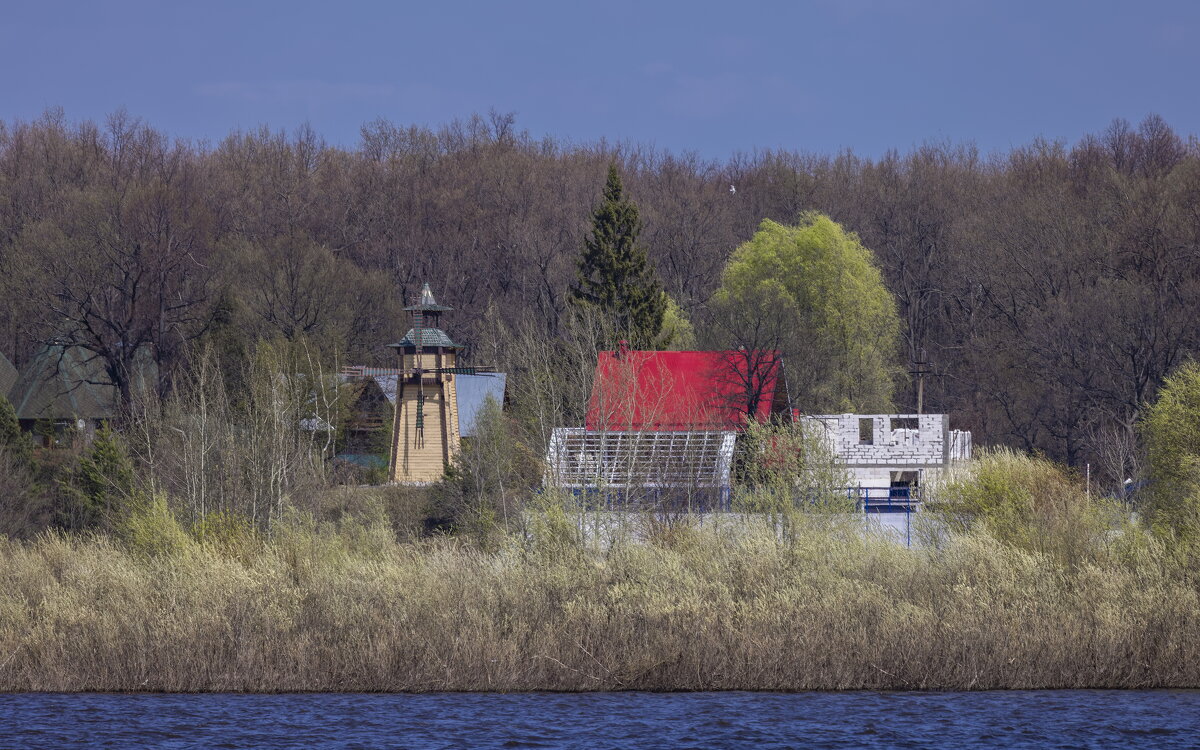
(873, 446)
(884, 446)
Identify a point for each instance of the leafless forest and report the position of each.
(1050, 288)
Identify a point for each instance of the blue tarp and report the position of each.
(471, 391)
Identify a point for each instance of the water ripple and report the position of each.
(603, 721)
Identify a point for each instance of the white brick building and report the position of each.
(894, 451)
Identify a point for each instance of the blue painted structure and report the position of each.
(886, 499)
(472, 391)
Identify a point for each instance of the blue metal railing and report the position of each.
(886, 499)
(889, 501)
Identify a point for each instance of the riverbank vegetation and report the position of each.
(350, 606)
(1018, 579)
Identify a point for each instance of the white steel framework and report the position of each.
(580, 458)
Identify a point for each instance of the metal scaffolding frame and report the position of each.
(579, 458)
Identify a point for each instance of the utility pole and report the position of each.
(919, 371)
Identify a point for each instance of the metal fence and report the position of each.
(885, 499)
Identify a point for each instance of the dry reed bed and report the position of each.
(703, 610)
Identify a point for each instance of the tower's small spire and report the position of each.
(427, 303)
(426, 324)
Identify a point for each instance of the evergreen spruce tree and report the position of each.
(616, 279)
(11, 437)
(102, 485)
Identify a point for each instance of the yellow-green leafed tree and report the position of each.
(814, 292)
(1171, 429)
(677, 333)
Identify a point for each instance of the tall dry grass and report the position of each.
(350, 608)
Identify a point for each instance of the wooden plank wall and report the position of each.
(426, 463)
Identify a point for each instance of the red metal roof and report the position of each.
(645, 390)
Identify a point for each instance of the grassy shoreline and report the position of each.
(699, 608)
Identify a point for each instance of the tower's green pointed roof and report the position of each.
(430, 338)
(426, 337)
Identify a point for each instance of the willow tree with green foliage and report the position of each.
(814, 293)
(616, 282)
(1171, 429)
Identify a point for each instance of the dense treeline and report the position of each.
(1051, 288)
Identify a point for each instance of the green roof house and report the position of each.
(63, 391)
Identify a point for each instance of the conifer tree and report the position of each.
(11, 437)
(101, 484)
(616, 280)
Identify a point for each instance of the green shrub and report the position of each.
(101, 488)
(229, 533)
(485, 486)
(151, 529)
(1025, 501)
(1171, 429)
(787, 468)
(17, 443)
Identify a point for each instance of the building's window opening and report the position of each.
(866, 431)
(906, 423)
(904, 485)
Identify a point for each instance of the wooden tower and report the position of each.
(425, 432)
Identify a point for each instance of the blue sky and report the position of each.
(716, 78)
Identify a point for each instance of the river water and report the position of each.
(1040, 718)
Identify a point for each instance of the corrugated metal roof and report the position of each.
(8, 377)
(646, 390)
(472, 391)
(387, 384)
(64, 382)
(429, 338)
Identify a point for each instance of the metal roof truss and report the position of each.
(581, 458)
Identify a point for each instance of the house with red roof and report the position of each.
(680, 391)
(665, 424)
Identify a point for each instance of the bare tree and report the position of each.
(120, 266)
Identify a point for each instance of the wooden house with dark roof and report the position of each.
(64, 390)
